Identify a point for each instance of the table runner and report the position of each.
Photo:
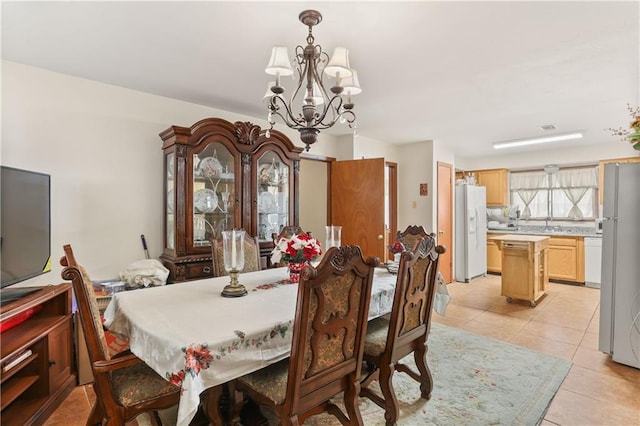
(197, 339)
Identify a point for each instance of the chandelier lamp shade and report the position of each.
(311, 107)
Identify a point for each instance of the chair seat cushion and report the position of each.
(139, 383)
(376, 339)
(270, 381)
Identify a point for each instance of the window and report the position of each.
(568, 194)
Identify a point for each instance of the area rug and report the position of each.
(477, 381)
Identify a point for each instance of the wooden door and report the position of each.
(357, 203)
(445, 219)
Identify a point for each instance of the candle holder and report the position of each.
(333, 235)
(233, 253)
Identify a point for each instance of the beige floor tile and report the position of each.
(572, 409)
(603, 387)
(595, 360)
(518, 309)
(563, 318)
(550, 331)
(594, 325)
(544, 345)
(590, 340)
(493, 319)
(73, 412)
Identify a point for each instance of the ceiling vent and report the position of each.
(548, 127)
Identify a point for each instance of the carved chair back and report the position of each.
(328, 340)
(410, 235)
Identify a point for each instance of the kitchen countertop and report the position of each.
(529, 238)
(562, 231)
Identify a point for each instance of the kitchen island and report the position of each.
(566, 257)
(525, 272)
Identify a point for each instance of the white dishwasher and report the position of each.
(592, 261)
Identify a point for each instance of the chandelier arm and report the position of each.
(334, 111)
(288, 118)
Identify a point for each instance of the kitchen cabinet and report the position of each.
(524, 266)
(496, 182)
(36, 355)
(220, 175)
(494, 256)
(601, 172)
(566, 258)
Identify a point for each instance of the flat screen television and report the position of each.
(25, 228)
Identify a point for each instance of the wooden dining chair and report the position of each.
(251, 256)
(326, 351)
(409, 236)
(124, 385)
(391, 338)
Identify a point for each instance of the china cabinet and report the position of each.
(220, 175)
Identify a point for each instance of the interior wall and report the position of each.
(313, 197)
(100, 145)
(416, 166)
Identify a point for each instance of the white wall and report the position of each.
(101, 147)
(416, 166)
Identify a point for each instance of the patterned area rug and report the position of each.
(477, 381)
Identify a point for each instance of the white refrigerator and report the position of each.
(471, 232)
(620, 274)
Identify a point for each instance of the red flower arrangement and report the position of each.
(396, 248)
(298, 248)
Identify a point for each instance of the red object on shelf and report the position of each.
(19, 319)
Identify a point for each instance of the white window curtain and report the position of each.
(527, 185)
(575, 183)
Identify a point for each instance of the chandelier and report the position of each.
(320, 110)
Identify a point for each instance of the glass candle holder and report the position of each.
(233, 253)
(233, 249)
(333, 235)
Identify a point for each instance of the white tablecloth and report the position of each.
(191, 335)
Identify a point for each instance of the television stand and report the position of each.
(35, 355)
(8, 295)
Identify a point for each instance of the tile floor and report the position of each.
(597, 391)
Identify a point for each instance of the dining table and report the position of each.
(197, 339)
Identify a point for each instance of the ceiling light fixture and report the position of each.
(533, 141)
(320, 110)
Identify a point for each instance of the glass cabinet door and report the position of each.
(170, 164)
(214, 193)
(273, 195)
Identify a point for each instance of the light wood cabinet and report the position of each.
(601, 172)
(496, 182)
(524, 266)
(566, 259)
(32, 388)
(218, 176)
(494, 256)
